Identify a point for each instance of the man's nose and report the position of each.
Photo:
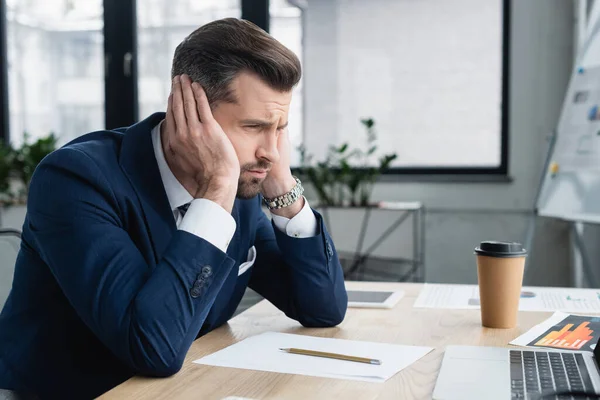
(268, 148)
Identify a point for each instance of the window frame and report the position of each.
(120, 63)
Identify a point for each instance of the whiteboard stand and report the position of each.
(583, 274)
(578, 259)
(530, 234)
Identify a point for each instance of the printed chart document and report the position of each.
(564, 332)
(262, 353)
(532, 298)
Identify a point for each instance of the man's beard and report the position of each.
(250, 187)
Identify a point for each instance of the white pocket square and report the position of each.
(251, 258)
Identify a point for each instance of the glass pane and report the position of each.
(428, 72)
(55, 68)
(162, 25)
(286, 26)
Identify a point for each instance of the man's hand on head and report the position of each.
(280, 179)
(198, 151)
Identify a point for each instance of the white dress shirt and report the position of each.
(208, 220)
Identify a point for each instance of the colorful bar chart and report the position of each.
(566, 338)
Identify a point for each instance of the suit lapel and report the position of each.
(139, 164)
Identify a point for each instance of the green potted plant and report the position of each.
(27, 158)
(346, 176)
(16, 169)
(6, 159)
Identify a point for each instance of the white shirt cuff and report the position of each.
(303, 225)
(209, 221)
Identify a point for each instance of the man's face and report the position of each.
(253, 125)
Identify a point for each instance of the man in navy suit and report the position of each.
(139, 240)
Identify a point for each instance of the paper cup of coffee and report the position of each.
(500, 267)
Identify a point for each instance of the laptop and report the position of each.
(470, 372)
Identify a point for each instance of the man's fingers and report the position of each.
(169, 119)
(202, 103)
(177, 105)
(189, 102)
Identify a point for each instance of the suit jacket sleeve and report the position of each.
(145, 315)
(302, 277)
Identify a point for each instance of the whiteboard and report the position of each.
(571, 184)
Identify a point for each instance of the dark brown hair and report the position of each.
(214, 54)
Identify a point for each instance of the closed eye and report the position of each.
(263, 126)
(254, 127)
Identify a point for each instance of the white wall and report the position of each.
(461, 214)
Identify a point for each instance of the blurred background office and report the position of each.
(464, 93)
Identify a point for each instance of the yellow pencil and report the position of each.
(332, 355)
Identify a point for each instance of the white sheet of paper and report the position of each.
(532, 298)
(262, 353)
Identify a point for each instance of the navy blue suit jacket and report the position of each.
(106, 287)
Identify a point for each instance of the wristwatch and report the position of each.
(286, 199)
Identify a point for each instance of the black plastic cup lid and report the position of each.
(500, 249)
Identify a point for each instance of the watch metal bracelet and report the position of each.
(286, 199)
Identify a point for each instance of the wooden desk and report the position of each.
(401, 325)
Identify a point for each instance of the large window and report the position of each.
(55, 68)
(431, 73)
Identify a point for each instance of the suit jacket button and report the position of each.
(207, 270)
(329, 249)
(195, 292)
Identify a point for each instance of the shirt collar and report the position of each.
(176, 193)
